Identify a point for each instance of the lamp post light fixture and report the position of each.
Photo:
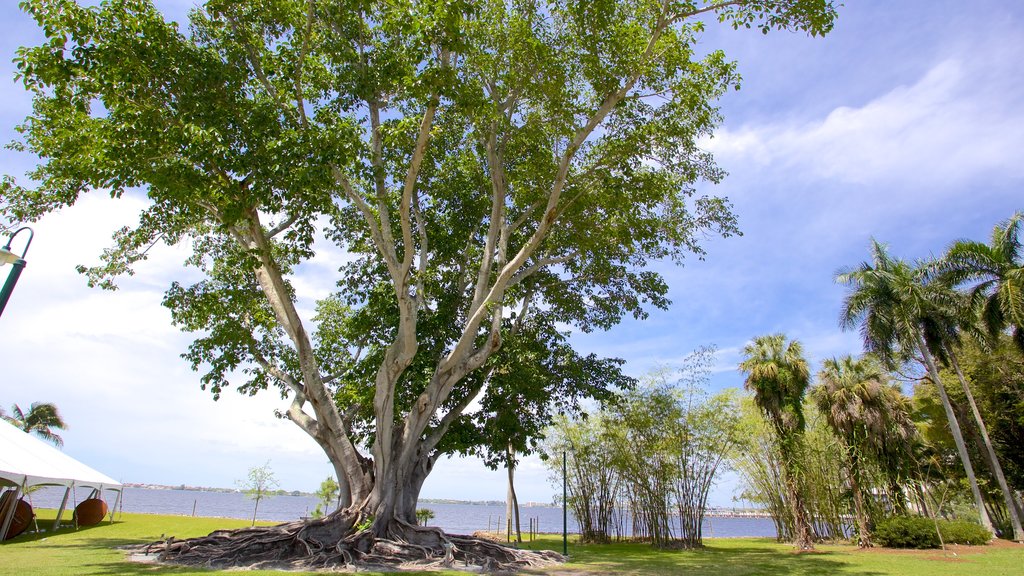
(17, 262)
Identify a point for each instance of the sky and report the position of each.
(905, 123)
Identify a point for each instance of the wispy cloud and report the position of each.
(948, 127)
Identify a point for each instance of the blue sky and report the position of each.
(906, 123)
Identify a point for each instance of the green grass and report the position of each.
(755, 556)
(90, 551)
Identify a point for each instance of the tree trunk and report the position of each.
(990, 453)
(343, 539)
(803, 538)
(864, 537)
(513, 501)
(255, 507)
(954, 428)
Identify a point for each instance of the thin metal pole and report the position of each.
(565, 512)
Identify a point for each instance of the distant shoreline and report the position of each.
(145, 486)
(711, 512)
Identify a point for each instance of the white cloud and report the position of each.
(948, 127)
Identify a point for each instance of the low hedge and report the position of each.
(919, 532)
(962, 532)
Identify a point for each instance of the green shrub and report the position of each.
(962, 532)
(906, 532)
(918, 532)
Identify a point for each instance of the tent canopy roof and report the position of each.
(28, 461)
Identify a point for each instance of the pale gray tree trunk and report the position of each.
(512, 501)
(954, 428)
(990, 453)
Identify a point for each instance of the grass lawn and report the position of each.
(90, 551)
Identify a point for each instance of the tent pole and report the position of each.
(60, 512)
(116, 502)
(12, 506)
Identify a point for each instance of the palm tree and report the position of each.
(866, 413)
(42, 418)
(996, 271)
(899, 454)
(897, 313)
(951, 362)
(778, 375)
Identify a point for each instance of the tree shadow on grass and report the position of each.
(66, 529)
(728, 560)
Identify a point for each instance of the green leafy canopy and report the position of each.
(468, 158)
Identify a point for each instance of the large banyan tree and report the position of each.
(479, 163)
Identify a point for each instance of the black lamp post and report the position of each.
(565, 513)
(18, 263)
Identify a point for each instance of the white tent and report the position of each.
(26, 461)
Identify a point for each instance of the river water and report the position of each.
(459, 518)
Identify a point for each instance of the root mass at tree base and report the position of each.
(335, 542)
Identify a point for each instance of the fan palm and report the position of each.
(866, 413)
(897, 313)
(778, 375)
(41, 419)
(996, 271)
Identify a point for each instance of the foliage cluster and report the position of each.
(822, 482)
(258, 485)
(643, 468)
(42, 419)
(326, 494)
(853, 446)
(907, 532)
(464, 159)
(963, 532)
(918, 532)
(424, 515)
(920, 314)
(959, 312)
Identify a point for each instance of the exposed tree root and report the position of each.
(334, 542)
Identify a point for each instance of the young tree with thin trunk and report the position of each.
(258, 485)
(326, 494)
(778, 375)
(470, 157)
(897, 315)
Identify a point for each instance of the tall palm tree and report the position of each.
(966, 319)
(41, 419)
(997, 271)
(866, 413)
(995, 274)
(778, 375)
(897, 314)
